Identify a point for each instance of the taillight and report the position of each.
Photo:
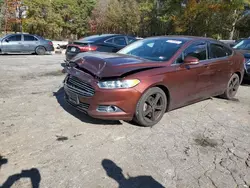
(88, 48)
(51, 43)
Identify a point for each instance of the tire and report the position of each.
(232, 87)
(151, 107)
(40, 50)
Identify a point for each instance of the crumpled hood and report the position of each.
(103, 64)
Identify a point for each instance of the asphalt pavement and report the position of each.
(45, 143)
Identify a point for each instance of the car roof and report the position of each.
(183, 37)
(97, 37)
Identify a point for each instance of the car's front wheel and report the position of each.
(151, 107)
(232, 87)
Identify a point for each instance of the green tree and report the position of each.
(118, 16)
(58, 19)
(211, 18)
(2, 13)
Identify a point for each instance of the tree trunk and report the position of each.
(231, 35)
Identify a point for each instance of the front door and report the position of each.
(188, 76)
(12, 44)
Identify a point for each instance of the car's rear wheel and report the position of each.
(40, 50)
(232, 87)
(151, 107)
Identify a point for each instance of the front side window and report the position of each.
(195, 50)
(217, 51)
(120, 41)
(154, 49)
(14, 38)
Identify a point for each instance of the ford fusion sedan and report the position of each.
(243, 46)
(25, 43)
(152, 76)
(101, 43)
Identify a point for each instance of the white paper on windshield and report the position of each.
(151, 44)
(174, 41)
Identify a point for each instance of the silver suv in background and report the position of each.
(25, 43)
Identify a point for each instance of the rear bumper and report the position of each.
(49, 48)
(124, 99)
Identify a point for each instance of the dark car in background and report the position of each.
(25, 43)
(243, 46)
(101, 43)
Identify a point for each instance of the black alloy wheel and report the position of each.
(151, 107)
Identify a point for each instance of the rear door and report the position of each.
(220, 62)
(12, 44)
(30, 43)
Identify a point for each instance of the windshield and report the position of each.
(243, 45)
(155, 49)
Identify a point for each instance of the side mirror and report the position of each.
(189, 60)
(7, 40)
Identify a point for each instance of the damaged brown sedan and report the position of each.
(151, 76)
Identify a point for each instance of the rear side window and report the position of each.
(109, 41)
(131, 40)
(15, 38)
(29, 38)
(120, 41)
(217, 51)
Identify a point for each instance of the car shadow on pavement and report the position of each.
(80, 115)
(17, 54)
(33, 174)
(245, 83)
(115, 172)
(3, 161)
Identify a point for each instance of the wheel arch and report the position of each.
(41, 46)
(167, 93)
(239, 74)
